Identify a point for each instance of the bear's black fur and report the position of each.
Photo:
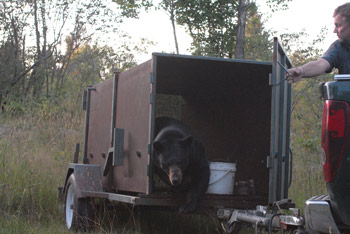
(180, 160)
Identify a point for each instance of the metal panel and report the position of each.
(278, 162)
(118, 147)
(100, 113)
(114, 106)
(133, 115)
(336, 90)
(87, 177)
(174, 200)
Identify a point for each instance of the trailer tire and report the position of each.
(234, 228)
(78, 213)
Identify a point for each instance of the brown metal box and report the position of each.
(239, 109)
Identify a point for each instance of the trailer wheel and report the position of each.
(234, 228)
(79, 213)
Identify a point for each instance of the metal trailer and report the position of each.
(240, 110)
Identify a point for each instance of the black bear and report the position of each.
(180, 160)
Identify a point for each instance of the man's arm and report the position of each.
(311, 69)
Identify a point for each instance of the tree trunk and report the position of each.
(44, 49)
(33, 80)
(242, 14)
(172, 18)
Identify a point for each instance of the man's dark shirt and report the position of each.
(338, 56)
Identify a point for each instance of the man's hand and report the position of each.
(294, 74)
(311, 69)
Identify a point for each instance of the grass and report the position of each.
(306, 131)
(307, 178)
(36, 145)
(12, 223)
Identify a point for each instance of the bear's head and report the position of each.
(173, 157)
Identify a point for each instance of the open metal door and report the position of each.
(117, 133)
(133, 112)
(278, 161)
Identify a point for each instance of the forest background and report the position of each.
(50, 50)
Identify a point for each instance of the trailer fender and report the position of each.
(88, 178)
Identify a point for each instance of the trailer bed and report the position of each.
(173, 200)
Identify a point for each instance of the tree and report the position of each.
(217, 27)
(257, 39)
(241, 24)
(211, 24)
(12, 62)
(169, 6)
(38, 68)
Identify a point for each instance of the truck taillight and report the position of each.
(335, 133)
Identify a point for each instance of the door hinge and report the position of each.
(268, 162)
(270, 79)
(151, 101)
(152, 78)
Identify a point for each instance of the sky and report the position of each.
(308, 15)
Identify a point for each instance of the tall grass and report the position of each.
(306, 128)
(36, 143)
(307, 177)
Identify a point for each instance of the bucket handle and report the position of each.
(228, 171)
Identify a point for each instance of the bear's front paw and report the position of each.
(189, 207)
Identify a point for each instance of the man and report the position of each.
(337, 55)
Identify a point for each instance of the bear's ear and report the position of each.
(186, 141)
(157, 146)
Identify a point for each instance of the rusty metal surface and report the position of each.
(213, 201)
(112, 197)
(87, 177)
(227, 103)
(100, 124)
(133, 115)
(174, 200)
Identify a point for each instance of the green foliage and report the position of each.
(300, 49)
(306, 141)
(276, 5)
(211, 24)
(9, 66)
(213, 28)
(258, 44)
(39, 67)
(131, 8)
(306, 120)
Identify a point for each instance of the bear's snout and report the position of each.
(175, 175)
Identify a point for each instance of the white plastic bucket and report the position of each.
(222, 178)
